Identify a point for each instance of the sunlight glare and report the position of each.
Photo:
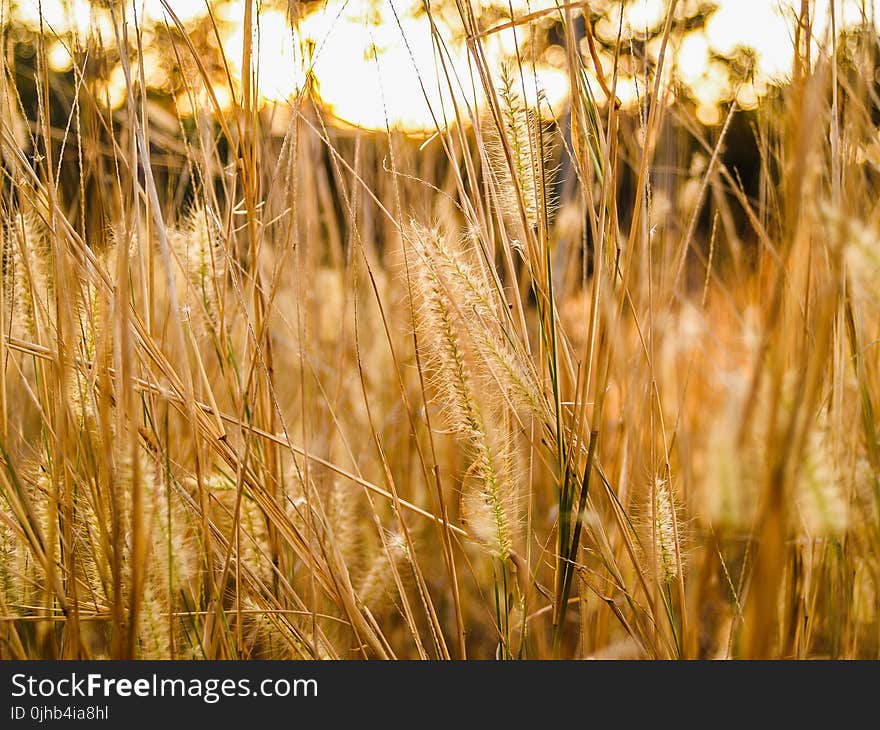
(642, 15)
(187, 11)
(281, 74)
(59, 16)
(377, 63)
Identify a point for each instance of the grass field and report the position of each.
(507, 359)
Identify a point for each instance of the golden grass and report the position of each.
(331, 394)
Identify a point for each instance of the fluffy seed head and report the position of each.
(662, 532)
(528, 139)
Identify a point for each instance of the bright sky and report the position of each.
(376, 62)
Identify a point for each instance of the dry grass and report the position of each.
(512, 393)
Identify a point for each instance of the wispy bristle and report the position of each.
(663, 532)
(444, 334)
(528, 139)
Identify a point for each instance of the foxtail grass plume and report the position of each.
(443, 331)
(201, 267)
(524, 179)
(663, 533)
(27, 275)
(499, 355)
(821, 500)
(375, 586)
